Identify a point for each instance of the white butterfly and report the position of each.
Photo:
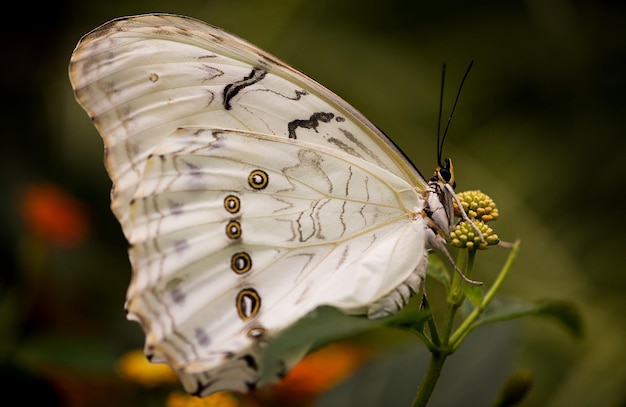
(249, 195)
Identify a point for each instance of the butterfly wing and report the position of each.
(140, 78)
(318, 227)
(249, 193)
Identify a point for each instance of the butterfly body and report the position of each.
(249, 195)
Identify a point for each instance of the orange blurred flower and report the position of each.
(317, 373)
(52, 214)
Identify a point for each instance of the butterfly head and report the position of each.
(444, 174)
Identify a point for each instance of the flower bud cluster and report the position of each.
(481, 209)
(477, 205)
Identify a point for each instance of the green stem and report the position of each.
(439, 355)
(432, 347)
(464, 261)
(448, 323)
(442, 347)
(471, 255)
(432, 326)
(467, 325)
(430, 380)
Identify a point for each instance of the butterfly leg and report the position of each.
(450, 192)
(436, 242)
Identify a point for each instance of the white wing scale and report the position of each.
(249, 194)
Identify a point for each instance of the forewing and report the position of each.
(140, 78)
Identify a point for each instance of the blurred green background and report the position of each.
(538, 128)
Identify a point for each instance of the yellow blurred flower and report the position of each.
(220, 399)
(134, 366)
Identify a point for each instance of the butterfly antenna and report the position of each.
(456, 101)
(439, 142)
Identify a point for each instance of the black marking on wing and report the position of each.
(175, 208)
(282, 370)
(250, 361)
(310, 123)
(209, 71)
(398, 303)
(362, 147)
(343, 146)
(343, 212)
(297, 94)
(201, 387)
(317, 222)
(232, 89)
(178, 296)
(202, 337)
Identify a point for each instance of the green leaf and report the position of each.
(409, 318)
(438, 271)
(474, 293)
(502, 309)
(326, 325)
(320, 327)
